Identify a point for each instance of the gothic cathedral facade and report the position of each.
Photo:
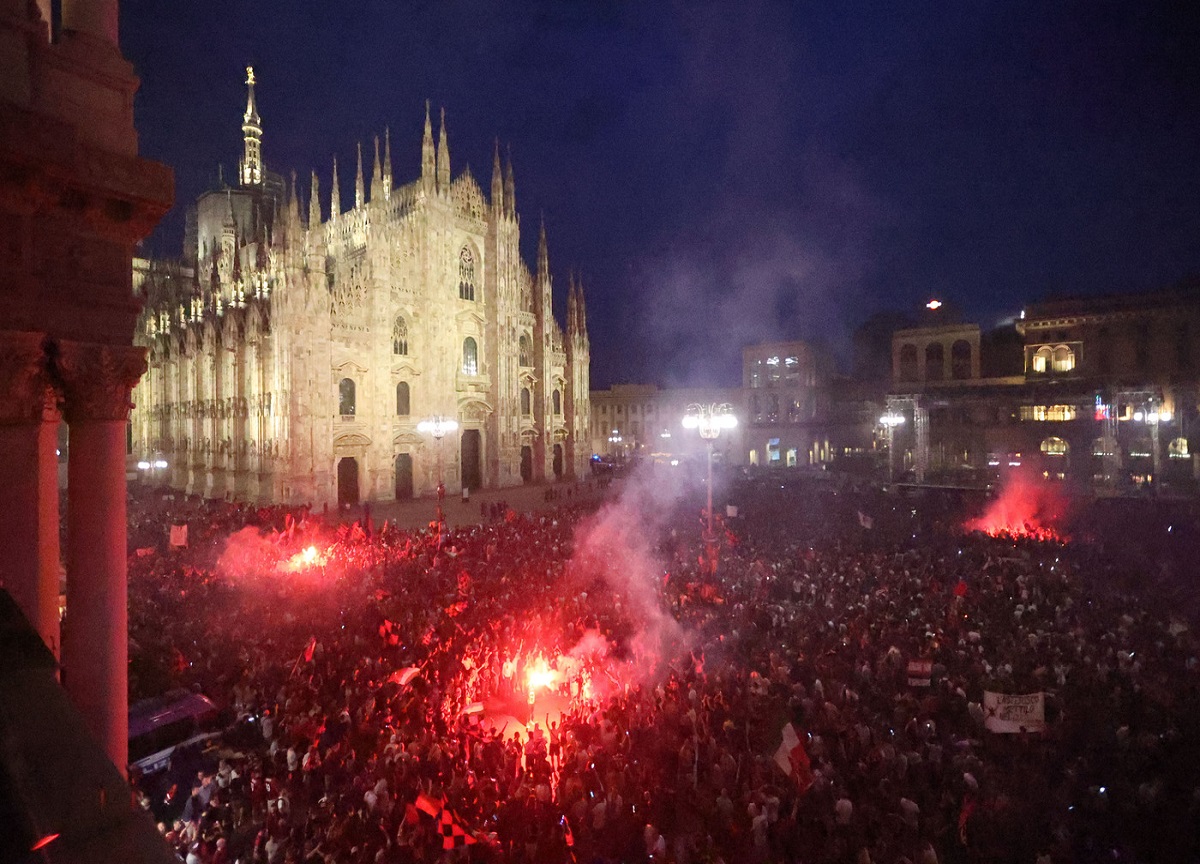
(292, 360)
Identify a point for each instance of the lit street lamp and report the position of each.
(1152, 418)
(614, 443)
(709, 420)
(438, 427)
(889, 422)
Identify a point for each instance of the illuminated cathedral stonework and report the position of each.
(292, 359)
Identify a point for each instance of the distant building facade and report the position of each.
(1099, 391)
(645, 422)
(292, 357)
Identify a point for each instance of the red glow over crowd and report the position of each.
(577, 685)
(1025, 508)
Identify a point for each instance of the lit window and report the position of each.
(1048, 413)
(1064, 359)
(1104, 446)
(470, 359)
(1055, 446)
(1178, 449)
(1041, 360)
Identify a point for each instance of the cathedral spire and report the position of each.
(581, 312)
(543, 256)
(229, 224)
(293, 209)
(443, 159)
(376, 175)
(314, 203)
(387, 162)
(335, 197)
(428, 166)
(510, 189)
(497, 180)
(360, 192)
(572, 305)
(251, 167)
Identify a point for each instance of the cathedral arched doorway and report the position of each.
(347, 479)
(472, 472)
(526, 463)
(558, 461)
(404, 476)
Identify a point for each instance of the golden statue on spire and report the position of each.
(250, 75)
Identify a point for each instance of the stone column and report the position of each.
(97, 380)
(29, 565)
(97, 18)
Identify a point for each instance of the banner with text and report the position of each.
(1006, 713)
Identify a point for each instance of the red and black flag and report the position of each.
(454, 836)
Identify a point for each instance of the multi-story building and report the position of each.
(1097, 390)
(643, 421)
(787, 405)
(292, 358)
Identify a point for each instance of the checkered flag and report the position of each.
(453, 834)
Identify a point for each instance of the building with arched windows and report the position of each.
(292, 358)
(1100, 391)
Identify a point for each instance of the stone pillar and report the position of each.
(96, 18)
(97, 380)
(29, 565)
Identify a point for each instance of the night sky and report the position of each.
(728, 172)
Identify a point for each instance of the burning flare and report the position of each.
(540, 675)
(1025, 508)
(305, 559)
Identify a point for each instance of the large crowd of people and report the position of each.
(381, 687)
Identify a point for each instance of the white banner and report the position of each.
(919, 673)
(1003, 712)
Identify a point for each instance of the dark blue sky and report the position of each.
(729, 172)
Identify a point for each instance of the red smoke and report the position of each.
(1027, 507)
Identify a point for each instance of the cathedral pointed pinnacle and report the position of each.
(581, 311)
(443, 159)
(497, 180)
(428, 161)
(335, 198)
(293, 207)
(360, 193)
(251, 167)
(543, 257)
(510, 189)
(376, 175)
(314, 203)
(572, 304)
(229, 225)
(387, 155)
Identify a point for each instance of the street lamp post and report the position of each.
(1152, 418)
(709, 420)
(615, 442)
(438, 427)
(890, 421)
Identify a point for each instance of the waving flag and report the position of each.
(793, 758)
